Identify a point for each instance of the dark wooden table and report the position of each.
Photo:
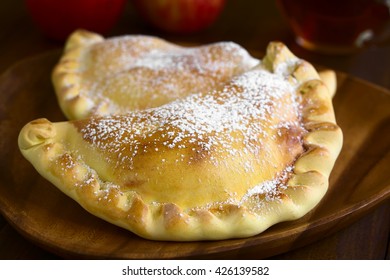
(253, 24)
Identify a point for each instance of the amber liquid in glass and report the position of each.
(336, 24)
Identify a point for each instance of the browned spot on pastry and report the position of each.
(173, 215)
(198, 153)
(65, 167)
(313, 103)
(226, 209)
(132, 184)
(289, 139)
(202, 214)
(137, 213)
(327, 126)
(88, 191)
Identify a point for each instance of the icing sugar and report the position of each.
(245, 107)
(271, 188)
(251, 96)
(250, 108)
(129, 71)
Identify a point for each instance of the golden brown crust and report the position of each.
(182, 189)
(97, 76)
(329, 78)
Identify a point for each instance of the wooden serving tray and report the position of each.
(359, 181)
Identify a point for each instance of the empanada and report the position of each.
(98, 76)
(220, 164)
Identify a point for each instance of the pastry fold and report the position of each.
(98, 76)
(224, 163)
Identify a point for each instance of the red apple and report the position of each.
(179, 16)
(58, 18)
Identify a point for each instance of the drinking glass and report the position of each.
(337, 26)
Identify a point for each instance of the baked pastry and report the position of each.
(223, 164)
(97, 76)
(328, 77)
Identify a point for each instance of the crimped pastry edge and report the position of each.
(306, 186)
(66, 78)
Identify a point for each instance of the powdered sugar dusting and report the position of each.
(245, 106)
(258, 195)
(269, 189)
(137, 72)
(232, 121)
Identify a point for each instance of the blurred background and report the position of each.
(251, 23)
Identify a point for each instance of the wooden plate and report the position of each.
(359, 181)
